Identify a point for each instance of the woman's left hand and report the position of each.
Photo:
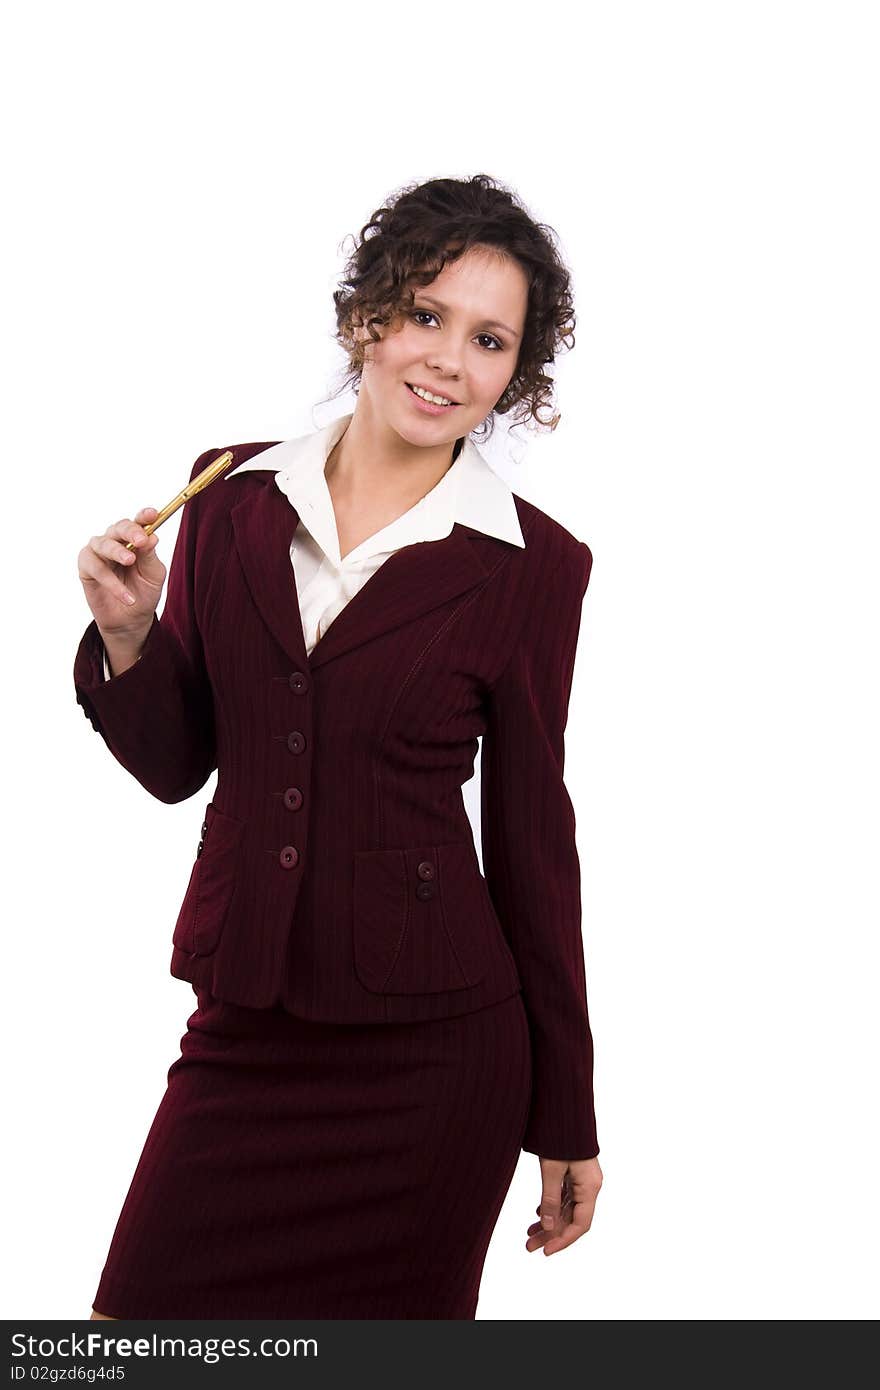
(568, 1200)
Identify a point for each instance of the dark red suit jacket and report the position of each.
(336, 871)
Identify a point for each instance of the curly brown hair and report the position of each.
(407, 242)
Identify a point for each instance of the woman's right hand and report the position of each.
(123, 587)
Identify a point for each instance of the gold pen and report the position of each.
(197, 484)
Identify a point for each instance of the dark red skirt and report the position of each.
(297, 1169)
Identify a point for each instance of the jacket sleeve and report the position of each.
(530, 859)
(157, 717)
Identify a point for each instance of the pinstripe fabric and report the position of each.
(303, 1169)
(338, 876)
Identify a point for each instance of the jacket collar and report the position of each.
(469, 492)
(467, 518)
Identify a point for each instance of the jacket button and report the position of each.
(425, 869)
(293, 798)
(425, 890)
(299, 682)
(296, 741)
(289, 857)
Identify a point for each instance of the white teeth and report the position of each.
(429, 396)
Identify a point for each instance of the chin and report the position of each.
(427, 430)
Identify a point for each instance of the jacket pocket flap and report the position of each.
(211, 884)
(420, 920)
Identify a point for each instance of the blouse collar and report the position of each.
(470, 492)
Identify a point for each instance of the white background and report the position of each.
(179, 182)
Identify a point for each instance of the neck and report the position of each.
(372, 461)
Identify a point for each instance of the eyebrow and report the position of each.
(487, 323)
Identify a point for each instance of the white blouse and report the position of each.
(469, 492)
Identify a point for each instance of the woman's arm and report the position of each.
(157, 715)
(531, 862)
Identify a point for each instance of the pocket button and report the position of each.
(426, 869)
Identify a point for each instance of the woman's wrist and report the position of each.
(123, 649)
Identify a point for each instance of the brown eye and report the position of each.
(427, 313)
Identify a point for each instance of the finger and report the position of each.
(93, 570)
(538, 1236)
(566, 1212)
(551, 1195)
(132, 529)
(138, 537)
(573, 1231)
(585, 1196)
(140, 547)
(540, 1239)
(143, 518)
(111, 549)
(537, 1240)
(579, 1223)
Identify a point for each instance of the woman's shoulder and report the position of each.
(230, 486)
(207, 517)
(550, 547)
(241, 454)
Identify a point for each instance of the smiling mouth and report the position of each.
(409, 387)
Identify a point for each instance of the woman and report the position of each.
(380, 1029)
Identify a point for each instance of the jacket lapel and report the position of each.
(412, 581)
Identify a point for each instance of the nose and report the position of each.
(444, 367)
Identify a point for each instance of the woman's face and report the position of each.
(460, 340)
